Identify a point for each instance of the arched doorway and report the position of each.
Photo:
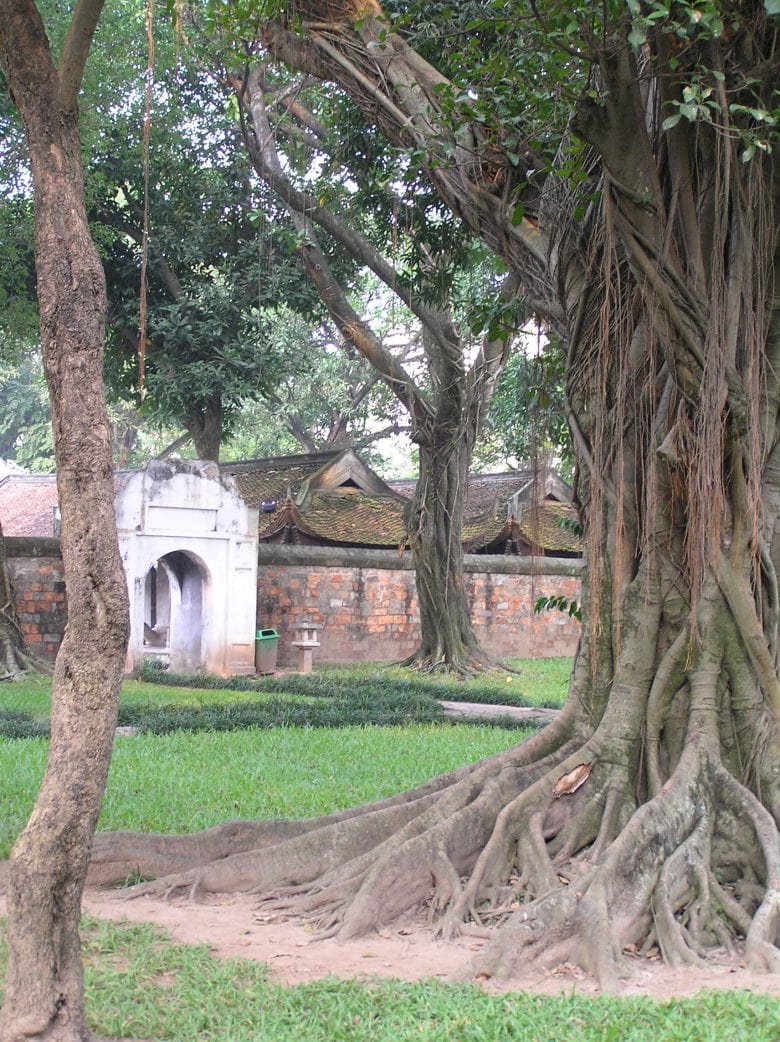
(174, 595)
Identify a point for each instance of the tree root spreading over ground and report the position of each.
(544, 849)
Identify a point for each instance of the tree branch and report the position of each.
(349, 323)
(76, 50)
(395, 88)
(356, 244)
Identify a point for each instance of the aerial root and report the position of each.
(675, 893)
(763, 934)
(541, 928)
(447, 886)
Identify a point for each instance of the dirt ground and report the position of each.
(235, 926)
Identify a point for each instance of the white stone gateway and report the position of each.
(189, 546)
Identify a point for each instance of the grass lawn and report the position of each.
(158, 782)
(162, 783)
(33, 695)
(532, 682)
(139, 985)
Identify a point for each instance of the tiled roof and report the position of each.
(27, 504)
(355, 517)
(342, 516)
(487, 492)
(552, 526)
(491, 491)
(359, 519)
(272, 479)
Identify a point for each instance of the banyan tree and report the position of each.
(619, 160)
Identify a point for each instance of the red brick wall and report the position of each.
(366, 602)
(369, 613)
(35, 570)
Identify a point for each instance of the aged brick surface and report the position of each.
(371, 614)
(366, 613)
(36, 575)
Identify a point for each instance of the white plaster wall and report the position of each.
(187, 506)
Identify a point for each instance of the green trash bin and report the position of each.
(266, 645)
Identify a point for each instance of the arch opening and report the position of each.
(174, 620)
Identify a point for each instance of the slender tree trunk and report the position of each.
(44, 984)
(205, 429)
(435, 526)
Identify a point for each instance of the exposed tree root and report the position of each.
(519, 849)
(470, 662)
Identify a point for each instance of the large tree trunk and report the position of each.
(646, 816)
(44, 990)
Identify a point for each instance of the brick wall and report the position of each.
(365, 600)
(366, 603)
(35, 570)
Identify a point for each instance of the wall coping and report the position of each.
(32, 546)
(391, 560)
(347, 557)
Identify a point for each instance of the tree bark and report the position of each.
(205, 429)
(44, 984)
(434, 525)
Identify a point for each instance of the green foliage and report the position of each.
(18, 309)
(527, 417)
(753, 114)
(25, 424)
(18, 724)
(564, 604)
(323, 394)
(214, 268)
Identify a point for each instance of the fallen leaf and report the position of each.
(569, 783)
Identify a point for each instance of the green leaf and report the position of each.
(772, 7)
(671, 121)
(637, 37)
(517, 215)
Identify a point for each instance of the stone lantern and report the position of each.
(306, 641)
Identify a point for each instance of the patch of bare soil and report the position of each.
(235, 926)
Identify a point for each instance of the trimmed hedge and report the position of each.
(347, 685)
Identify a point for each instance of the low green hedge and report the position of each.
(332, 683)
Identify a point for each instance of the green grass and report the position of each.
(183, 781)
(534, 682)
(32, 694)
(331, 697)
(139, 984)
(159, 783)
